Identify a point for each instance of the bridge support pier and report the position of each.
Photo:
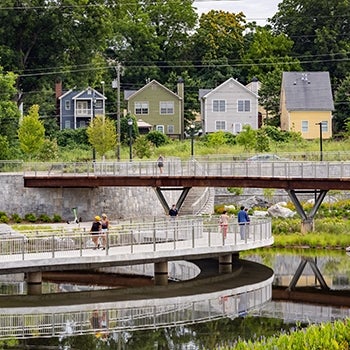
(34, 280)
(225, 263)
(307, 224)
(161, 273)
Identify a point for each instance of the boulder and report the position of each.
(278, 210)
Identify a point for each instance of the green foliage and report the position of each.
(3, 217)
(102, 135)
(236, 190)
(142, 147)
(30, 217)
(5, 152)
(72, 138)
(49, 151)
(44, 218)
(16, 218)
(31, 133)
(157, 138)
(247, 138)
(56, 218)
(219, 138)
(262, 141)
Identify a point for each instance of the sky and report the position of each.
(254, 10)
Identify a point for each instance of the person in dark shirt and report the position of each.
(173, 212)
(95, 231)
(243, 220)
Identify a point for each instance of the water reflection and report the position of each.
(203, 321)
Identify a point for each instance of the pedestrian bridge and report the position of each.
(317, 177)
(154, 242)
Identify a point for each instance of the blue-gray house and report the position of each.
(78, 108)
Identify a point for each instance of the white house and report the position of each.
(229, 107)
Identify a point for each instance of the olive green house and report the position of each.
(158, 106)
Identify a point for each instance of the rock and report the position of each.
(278, 210)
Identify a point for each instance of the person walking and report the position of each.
(95, 231)
(160, 163)
(173, 212)
(223, 221)
(243, 220)
(104, 230)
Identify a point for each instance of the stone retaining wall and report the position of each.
(117, 202)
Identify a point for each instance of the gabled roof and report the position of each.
(76, 94)
(307, 91)
(204, 93)
(129, 93)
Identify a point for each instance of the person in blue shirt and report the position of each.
(243, 220)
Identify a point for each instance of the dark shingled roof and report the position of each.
(307, 91)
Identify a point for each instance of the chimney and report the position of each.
(58, 88)
(181, 93)
(254, 85)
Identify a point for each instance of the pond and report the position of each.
(201, 321)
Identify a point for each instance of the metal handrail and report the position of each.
(133, 238)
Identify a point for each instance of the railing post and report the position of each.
(53, 246)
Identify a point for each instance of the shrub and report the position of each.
(30, 217)
(4, 218)
(56, 218)
(16, 218)
(157, 138)
(44, 218)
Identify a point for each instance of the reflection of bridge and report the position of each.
(293, 176)
(144, 308)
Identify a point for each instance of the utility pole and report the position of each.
(116, 84)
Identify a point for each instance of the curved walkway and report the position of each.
(130, 244)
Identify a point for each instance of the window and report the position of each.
(141, 107)
(324, 126)
(98, 104)
(166, 107)
(243, 105)
(171, 129)
(220, 125)
(304, 126)
(67, 105)
(82, 124)
(82, 108)
(160, 128)
(219, 105)
(67, 124)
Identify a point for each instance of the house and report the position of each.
(158, 106)
(306, 101)
(76, 109)
(229, 107)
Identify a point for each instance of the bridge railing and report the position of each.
(176, 167)
(134, 238)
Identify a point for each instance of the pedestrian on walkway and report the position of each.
(173, 212)
(104, 230)
(160, 163)
(243, 220)
(95, 231)
(223, 222)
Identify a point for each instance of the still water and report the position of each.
(204, 321)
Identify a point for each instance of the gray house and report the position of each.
(229, 107)
(76, 109)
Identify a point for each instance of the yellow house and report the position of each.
(307, 101)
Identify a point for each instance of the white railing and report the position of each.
(145, 314)
(280, 169)
(134, 238)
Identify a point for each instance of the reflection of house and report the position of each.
(306, 100)
(77, 108)
(229, 107)
(159, 107)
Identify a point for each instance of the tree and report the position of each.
(102, 135)
(31, 133)
(9, 113)
(43, 40)
(342, 106)
(321, 33)
(142, 147)
(247, 138)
